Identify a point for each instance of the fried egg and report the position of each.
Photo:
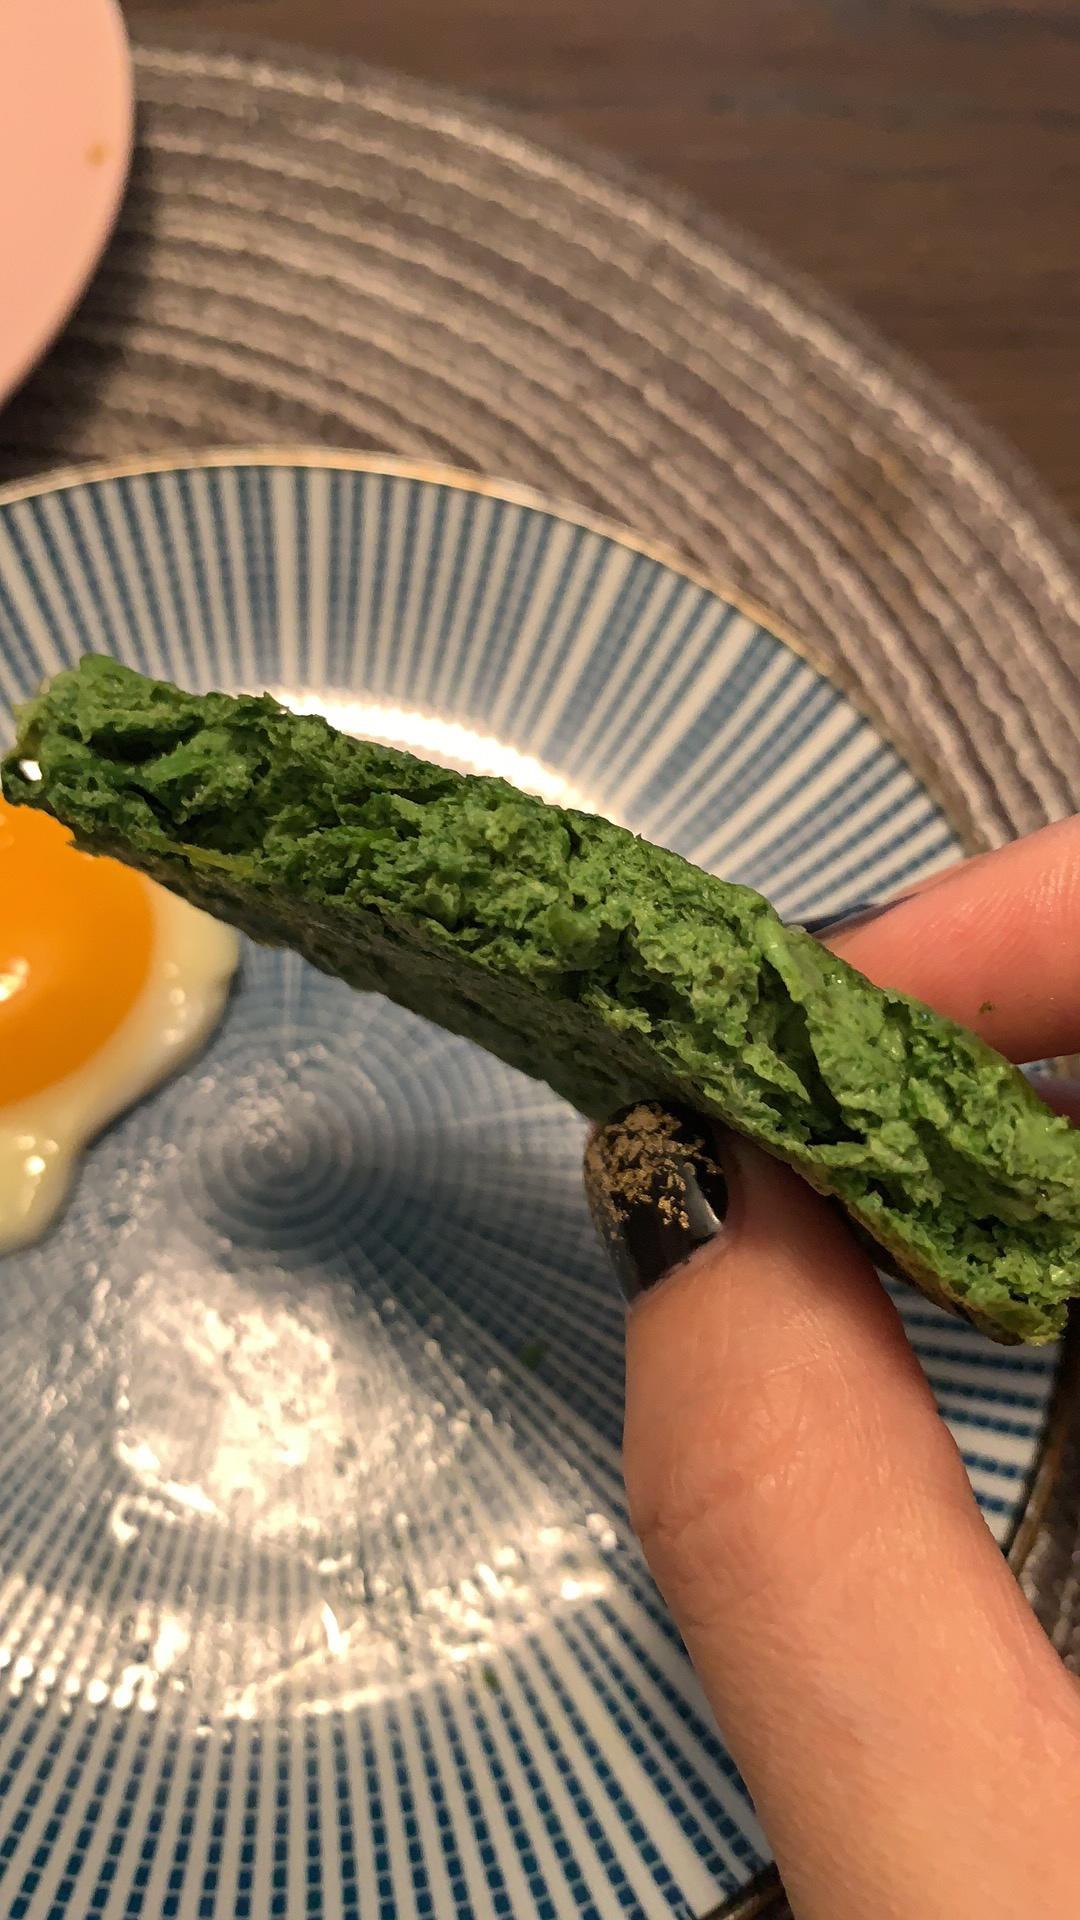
(107, 984)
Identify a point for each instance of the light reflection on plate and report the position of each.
(436, 738)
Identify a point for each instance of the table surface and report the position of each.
(920, 157)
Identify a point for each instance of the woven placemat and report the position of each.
(328, 255)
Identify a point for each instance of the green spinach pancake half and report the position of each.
(585, 956)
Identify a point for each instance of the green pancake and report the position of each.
(588, 958)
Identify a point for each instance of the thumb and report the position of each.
(909, 1736)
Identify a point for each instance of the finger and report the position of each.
(994, 942)
(884, 1688)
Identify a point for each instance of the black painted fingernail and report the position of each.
(857, 916)
(655, 1190)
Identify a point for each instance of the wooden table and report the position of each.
(920, 157)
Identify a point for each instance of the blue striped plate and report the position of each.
(317, 1591)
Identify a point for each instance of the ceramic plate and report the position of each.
(317, 1590)
(65, 142)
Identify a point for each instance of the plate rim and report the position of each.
(763, 1898)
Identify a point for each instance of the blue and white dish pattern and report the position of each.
(317, 1591)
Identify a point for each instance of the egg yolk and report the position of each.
(76, 938)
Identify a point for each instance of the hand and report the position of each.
(910, 1737)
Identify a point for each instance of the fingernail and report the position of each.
(655, 1190)
(857, 916)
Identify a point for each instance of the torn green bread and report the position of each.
(609, 967)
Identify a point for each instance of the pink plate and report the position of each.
(66, 119)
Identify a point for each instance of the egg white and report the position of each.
(192, 962)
